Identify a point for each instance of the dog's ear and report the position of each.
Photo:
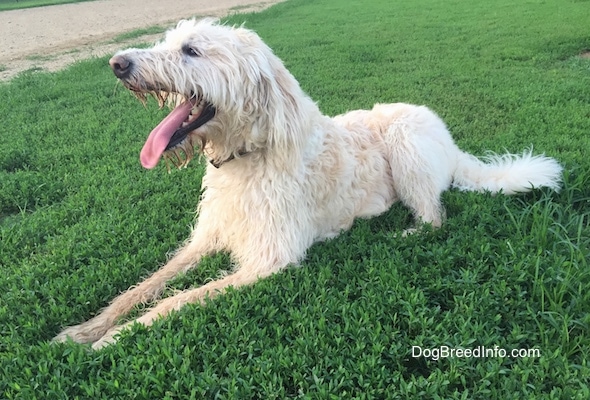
(277, 99)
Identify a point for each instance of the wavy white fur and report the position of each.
(289, 176)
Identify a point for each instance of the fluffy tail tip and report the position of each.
(508, 173)
(527, 171)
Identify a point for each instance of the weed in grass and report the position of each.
(38, 57)
(138, 33)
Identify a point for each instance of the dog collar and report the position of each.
(218, 164)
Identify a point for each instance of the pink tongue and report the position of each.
(160, 137)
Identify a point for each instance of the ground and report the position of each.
(50, 38)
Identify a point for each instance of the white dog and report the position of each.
(281, 175)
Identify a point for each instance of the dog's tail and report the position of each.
(509, 173)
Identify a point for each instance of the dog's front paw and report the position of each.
(87, 332)
(110, 337)
(104, 341)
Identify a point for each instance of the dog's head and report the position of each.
(229, 91)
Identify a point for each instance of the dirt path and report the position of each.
(50, 38)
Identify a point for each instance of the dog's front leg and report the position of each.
(93, 329)
(244, 276)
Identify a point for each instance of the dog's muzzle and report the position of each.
(188, 115)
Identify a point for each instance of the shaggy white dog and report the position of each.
(282, 175)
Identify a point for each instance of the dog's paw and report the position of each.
(104, 341)
(110, 337)
(410, 231)
(406, 233)
(83, 333)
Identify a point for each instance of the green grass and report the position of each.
(80, 221)
(6, 5)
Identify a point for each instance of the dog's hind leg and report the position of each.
(90, 331)
(421, 173)
(164, 307)
(422, 198)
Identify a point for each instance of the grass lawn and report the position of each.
(81, 221)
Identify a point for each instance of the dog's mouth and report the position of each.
(175, 128)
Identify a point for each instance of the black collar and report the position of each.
(218, 164)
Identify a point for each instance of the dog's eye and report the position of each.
(190, 51)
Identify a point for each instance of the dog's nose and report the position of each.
(120, 65)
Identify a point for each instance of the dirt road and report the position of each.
(52, 37)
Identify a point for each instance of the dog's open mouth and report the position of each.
(174, 129)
